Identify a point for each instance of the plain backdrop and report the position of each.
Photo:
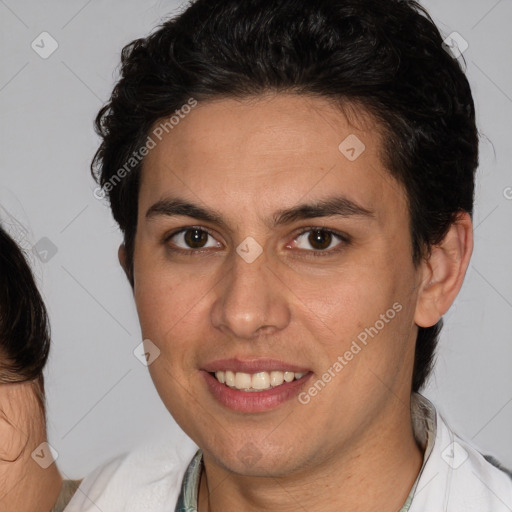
(101, 401)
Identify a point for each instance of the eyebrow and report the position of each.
(337, 206)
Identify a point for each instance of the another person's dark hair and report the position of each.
(24, 325)
(386, 56)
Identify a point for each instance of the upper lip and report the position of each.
(252, 366)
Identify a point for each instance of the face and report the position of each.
(265, 247)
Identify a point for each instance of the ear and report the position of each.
(121, 254)
(443, 272)
(20, 418)
(127, 267)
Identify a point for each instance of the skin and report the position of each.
(25, 485)
(352, 446)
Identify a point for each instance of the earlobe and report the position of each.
(444, 271)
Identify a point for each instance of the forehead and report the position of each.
(269, 150)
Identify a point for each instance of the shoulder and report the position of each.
(147, 478)
(458, 478)
(478, 480)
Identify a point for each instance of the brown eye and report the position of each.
(317, 241)
(193, 238)
(196, 238)
(320, 239)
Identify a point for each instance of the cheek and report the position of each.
(347, 301)
(156, 290)
(365, 310)
(171, 310)
(156, 300)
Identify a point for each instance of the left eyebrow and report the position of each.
(334, 206)
(337, 206)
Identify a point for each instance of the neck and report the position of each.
(25, 486)
(375, 474)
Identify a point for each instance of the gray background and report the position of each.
(100, 398)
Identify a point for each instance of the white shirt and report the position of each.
(455, 477)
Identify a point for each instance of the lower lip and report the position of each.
(254, 401)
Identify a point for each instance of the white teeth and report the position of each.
(243, 380)
(276, 378)
(261, 380)
(257, 381)
(289, 376)
(230, 379)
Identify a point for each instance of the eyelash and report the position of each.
(345, 240)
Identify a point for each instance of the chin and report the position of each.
(252, 459)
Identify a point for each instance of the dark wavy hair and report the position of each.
(387, 56)
(24, 325)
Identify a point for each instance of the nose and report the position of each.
(252, 300)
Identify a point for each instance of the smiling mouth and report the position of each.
(260, 381)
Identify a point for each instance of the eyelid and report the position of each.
(187, 228)
(339, 234)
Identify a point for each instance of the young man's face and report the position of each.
(210, 301)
